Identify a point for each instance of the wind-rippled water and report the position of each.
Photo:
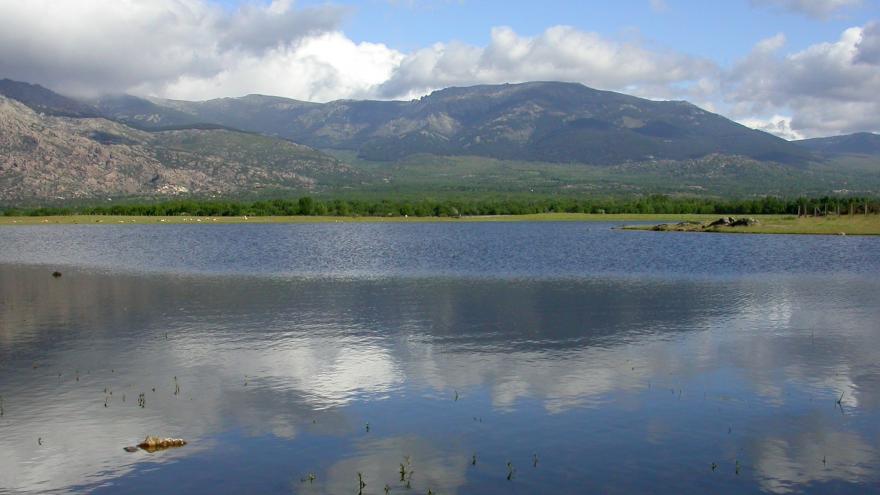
(590, 360)
(486, 250)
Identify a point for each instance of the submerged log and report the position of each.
(153, 444)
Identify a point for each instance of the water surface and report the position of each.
(485, 250)
(624, 362)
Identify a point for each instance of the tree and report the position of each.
(306, 206)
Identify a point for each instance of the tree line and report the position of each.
(655, 204)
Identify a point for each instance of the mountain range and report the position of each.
(53, 146)
(860, 143)
(542, 121)
(57, 148)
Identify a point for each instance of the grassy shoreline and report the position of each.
(831, 225)
(197, 220)
(769, 224)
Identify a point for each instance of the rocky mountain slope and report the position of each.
(44, 155)
(553, 138)
(542, 121)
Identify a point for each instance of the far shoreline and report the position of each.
(859, 225)
(214, 220)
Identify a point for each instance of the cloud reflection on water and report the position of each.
(291, 358)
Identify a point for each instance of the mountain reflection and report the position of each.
(440, 369)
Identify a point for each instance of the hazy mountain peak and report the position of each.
(44, 100)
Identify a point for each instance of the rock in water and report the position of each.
(152, 444)
(130, 449)
(56, 274)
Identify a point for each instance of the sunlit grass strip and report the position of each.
(194, 220)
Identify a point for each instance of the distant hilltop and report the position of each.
(54, 146)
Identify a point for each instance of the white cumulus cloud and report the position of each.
(779, 125)
(560, 53)
(326, 67)
(827, 88)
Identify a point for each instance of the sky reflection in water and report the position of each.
(619, 385)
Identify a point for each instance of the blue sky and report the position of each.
(721, 30)
(796, 68)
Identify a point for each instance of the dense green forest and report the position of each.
(469, 207)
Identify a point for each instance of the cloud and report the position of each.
(819, 9)
(560, 53)
(193, 49)
(318, 68)
(827, 88)
(779, 125)
(93, 46)
(868, 47)
(256, 28)
(659, 5)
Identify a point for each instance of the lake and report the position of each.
(478, 358)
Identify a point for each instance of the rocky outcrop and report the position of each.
(716, 226)
(44, 157)
(679, 227)
(734, 222)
